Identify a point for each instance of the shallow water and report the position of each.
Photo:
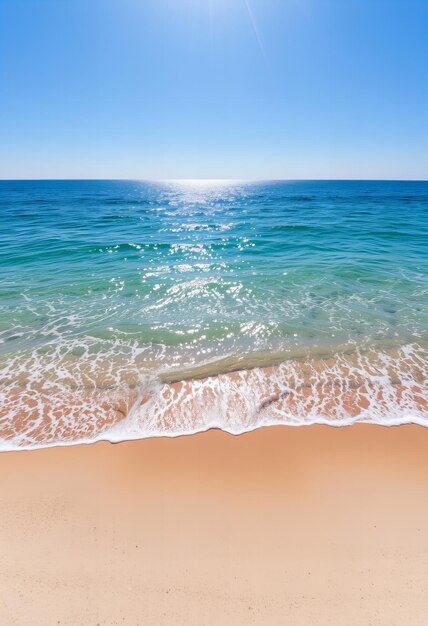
(111, 288)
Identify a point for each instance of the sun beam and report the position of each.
(255, 28)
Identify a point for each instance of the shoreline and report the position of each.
(384, 389)
(102, 439)
(298, 525)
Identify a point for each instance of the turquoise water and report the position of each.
(106, 284)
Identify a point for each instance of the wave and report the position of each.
(387, 388)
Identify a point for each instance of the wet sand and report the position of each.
(301, 526)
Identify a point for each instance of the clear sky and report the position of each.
(214, 89)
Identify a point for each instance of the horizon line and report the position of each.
(231, 180)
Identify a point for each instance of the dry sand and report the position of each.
(288, 526)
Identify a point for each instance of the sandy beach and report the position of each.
(213, 313)
(312, 525)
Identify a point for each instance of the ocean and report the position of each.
(132, 309)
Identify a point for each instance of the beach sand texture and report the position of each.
(301, 526)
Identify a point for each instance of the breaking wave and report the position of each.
(387, 388)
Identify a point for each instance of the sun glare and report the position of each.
(204, 182)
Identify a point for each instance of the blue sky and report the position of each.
(214, 89)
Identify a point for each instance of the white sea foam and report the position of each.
(387, 388)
